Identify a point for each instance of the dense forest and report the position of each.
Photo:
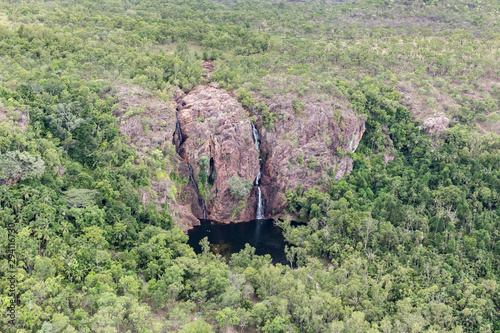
(407, 242)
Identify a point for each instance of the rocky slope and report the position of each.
(215, 128)
(147, 121)
(207, 139)
(13, 119)
(299, 150)
(304, 149)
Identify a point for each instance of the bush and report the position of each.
(81, 197)
(203, 161)
(268, 117)
(20, 165)
(298, 107)
(245, 98)
(239, 186)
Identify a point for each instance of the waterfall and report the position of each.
(257, 179)
(192, 178)
(256, 137)
(202, 201)
(179, 133)
(259, 214)
(260, 205)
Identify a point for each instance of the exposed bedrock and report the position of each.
(139, 110)
(217, 141)
(304, 150)
(218, 144)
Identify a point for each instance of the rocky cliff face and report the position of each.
(217, 142)
(147, 121)
(207, 137)
(305, 149)
(436, 123)
(300, 150)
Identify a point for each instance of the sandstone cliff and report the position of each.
(147, 121)
(207, 139)
(300, 150)
(216, 128)
(304, 149)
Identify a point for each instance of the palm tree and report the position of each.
(64, 227)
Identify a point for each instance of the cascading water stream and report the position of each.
(256, 138)
(260, 205)
(260, 200)
(179, 133)
(257, 179)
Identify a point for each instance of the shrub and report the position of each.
(312, 162)
(298, 107)
(20, 165)
(203, 161)
(81, 197)
(301, 158)
(268, 117)
(245, 98)
(239, 186)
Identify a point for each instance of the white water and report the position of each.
(259, 214)
(257, 179)
(260, 206)
(256, 137)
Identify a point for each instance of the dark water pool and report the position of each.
(227, 239)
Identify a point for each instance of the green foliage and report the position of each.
(312, 162)
(81, 197)
(277, 325)
(202, 182)
(239, 187)
(268, 117)
(198, 326)
(301, 158)
(297, 106)
(414, 212)
(245, 98)
(203, 161)
(407, 246)
(20, 166)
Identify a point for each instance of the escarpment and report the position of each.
(230, 166)
(217, 143)
(306, 149)
(216, 137)
(147, 123)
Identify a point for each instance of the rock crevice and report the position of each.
(217, 143)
